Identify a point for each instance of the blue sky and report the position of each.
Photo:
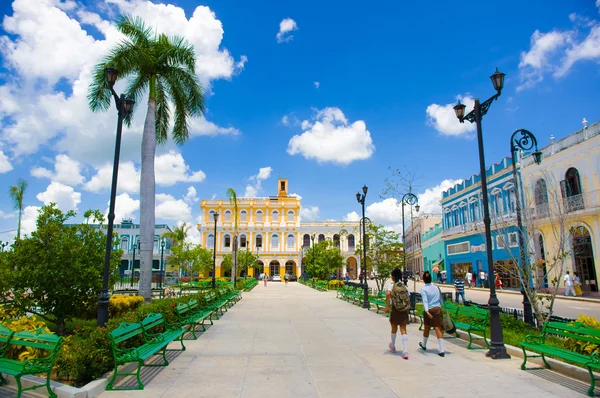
(387, 78)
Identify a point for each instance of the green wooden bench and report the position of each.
(472, 319)
(146, 345)
(191, 314)
(39, 339)
(214, 303)
(575, 330)
(231, 294)
(343, 291)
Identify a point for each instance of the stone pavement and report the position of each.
(294, 341)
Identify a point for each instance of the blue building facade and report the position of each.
(463, 229)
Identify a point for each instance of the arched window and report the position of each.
(243, 216)
(275, 216)
(290, 216)
(321, 238)
(259, 216)
(258, 241)
(155, 245)
(573, 182)
(125, 244)
(243, 242)
(210, 241)
(227, 241)
(541, 192)
(350, 242)
(274, 242)
(228, 216)
(290, 241)
(336, 241)
(306, 240)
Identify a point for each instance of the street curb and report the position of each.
(90, 390)
(558, 297)
(564, 369)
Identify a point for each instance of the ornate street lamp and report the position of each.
(523, 140)
(124, 108)
(497, 349)
(162, 263)
(361, 199)
(135, 246)
(216, 218)
(408, 199)
(341, 234)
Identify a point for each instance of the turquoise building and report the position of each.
(434, 252)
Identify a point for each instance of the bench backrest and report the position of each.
(575, 330)
(473, 312)
(152, 320)
(193, 304)
(209, 297)
(40, 338)
(5, 335)
(182, 309)
(125, 331)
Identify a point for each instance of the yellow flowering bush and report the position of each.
(584, 347)
(120, 304)
(7, 313)
(336, 284)
(24, 324)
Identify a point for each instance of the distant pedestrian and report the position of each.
(498, 281)
(265, 278)
(439, 276)
(469, 278)
(482, 278)
(459, 288)
(432, 313)
(397, 300)
(577, 284)
(347, 278)
(286, 278)
(568, 279)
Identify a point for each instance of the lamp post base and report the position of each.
(366, 303)
(497, 348)
(527, 310)
(103, 308)
(497, 353)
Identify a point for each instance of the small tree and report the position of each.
(57, 270)
(245, 259)
(541, 266)
(227, 263)
(202, 260)
(323, 259)
(383, 253)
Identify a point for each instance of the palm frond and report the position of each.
(135, 29)
(177, 51)
(17, 193)
(163, 112)
(232, 195)
(177, 93)
(99, 92)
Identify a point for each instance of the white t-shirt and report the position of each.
(568, 280)
(390, 286)
(482, 275)
(469, 276)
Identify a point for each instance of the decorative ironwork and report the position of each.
(525, 141)
(409, 199)
(484, 106)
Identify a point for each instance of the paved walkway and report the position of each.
(297, 342)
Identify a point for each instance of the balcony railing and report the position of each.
(582, 202)
(573, 203)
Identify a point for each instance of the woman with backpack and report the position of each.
(397, 300)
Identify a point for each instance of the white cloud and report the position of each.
(29, 219)
(171, 168)
(285, 121)
(4, 215)
(64, 196)
(317, 84)
(128, 179)
(429, 201)
(444, 120)
(310, 213)
(5, 165)
(169, 208)
(256, 181)
(191, 196)
(352, 216)
(125, 207)
(33, 113)
(557, 51)
(295, 195)
(66, 171)
(286, 26)
(332, 139)
(388, 213)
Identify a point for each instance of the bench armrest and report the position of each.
(174, 325)
(38, 365)
(595, 358)
(534, 339)
(154, 338)
(123, 355)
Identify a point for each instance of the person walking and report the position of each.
(432, 313)
(459, 288)
(347, 278)
(286, 278)
(498, 281)
(265, 278)
(568, 279)
(397, 300)
(469, 279)
(577, 284)
(482, 278)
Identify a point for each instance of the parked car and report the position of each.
(276, 278)
(293, 278)
(262, 276)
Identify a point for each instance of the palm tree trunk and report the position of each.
(19, 224)
(147, 201)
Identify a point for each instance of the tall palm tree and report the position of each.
(178, 234)
(233, 199)
(163, 67)
(16, 193)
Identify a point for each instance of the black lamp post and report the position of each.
(341, 234)
(524, 140)
(361, 199)
(257, 260)
(216, 218)
(409, 199)
(497, 348)
(162, 264)
(312, 238)
(365, 240)
(135, 246)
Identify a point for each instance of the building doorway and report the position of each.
(351, 267)
(504, 270)
(274, 268)
(290, 268)
(583, 256)
(259, 268)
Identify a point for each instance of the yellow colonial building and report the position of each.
(563, 204)
(271, 227)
